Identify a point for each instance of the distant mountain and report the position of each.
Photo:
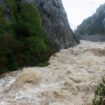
(94, 24)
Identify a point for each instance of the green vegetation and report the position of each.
(22, 37)
(100, 94)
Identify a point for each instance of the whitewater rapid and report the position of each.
(70, 79)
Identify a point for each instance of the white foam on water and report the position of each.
(70, 79)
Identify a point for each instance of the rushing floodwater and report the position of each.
(69, 80)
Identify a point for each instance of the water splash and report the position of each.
(69, 80)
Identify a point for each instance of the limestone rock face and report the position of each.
(23, 41)
(56, 23)
(94, 24)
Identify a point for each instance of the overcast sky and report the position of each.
(77, 10)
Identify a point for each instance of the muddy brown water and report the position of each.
(70, 79)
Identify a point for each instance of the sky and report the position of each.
(78, 10)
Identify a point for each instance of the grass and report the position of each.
(99, 98)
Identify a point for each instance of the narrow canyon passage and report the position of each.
(70, 79)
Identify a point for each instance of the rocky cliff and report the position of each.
(56, 23)
(29, 37)
(54, 19)
(94, 24)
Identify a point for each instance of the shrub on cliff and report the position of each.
(100, 94)
(22, 37)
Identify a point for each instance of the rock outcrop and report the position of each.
(70, 79)
(94, 24)
(56, 23)
(31, 31)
